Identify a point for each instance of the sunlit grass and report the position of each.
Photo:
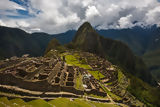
(39, 103)
(58, 102)
(72, 60)
(112, 95)
(19, 102)
(79, 82)
(96, 74)
(95, 96)
(63, 102)
(104, 105)
(5, 102)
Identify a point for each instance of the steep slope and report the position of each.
(16, 42)
(144, 42)
(87, 39)
(152, 60)
(152, 56)
(137, 38)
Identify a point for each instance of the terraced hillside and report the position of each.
(59, 102)
(40, 77)
(74, 75)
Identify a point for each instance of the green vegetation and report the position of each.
(4, 101)
(95, 96)
(79, 82)
(51, 54)
(104, 105)
(110, 83)
(55, 45)
(19, 102)
(63, 102)
(120, 76)
(72, 60)
(58, 102)
(1, 69)
(144, 92)
(122, 79)
(39, 103)
(112, 95)
(152, 60)
(96, 74)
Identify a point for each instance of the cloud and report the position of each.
(8, 5)
(9, 8)
(125, 22)
(91, 12)
(153, 16)
(2, 23)
(56, 16)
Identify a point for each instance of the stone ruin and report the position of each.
(44, 75)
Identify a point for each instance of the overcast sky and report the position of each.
(56, 16)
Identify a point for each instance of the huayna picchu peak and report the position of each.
(87, 39)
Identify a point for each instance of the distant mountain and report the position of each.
(137, 38)
(66, 37)
(16, 42)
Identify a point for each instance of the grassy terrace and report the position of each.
(95, 96)
(73, 60)
(59, 102)
(96, 74)
(79, 82)
(112, 95)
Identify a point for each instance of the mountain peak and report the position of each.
(85, 30)
(86, 27)
(53, 44)
(86, 24)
